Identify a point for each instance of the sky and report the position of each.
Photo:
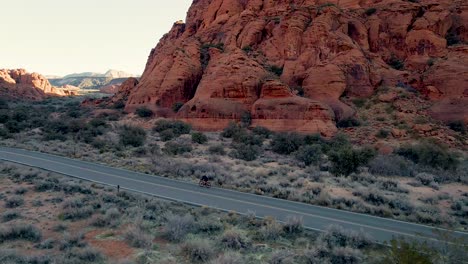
(59, 37)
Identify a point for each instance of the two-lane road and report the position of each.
(315, 217)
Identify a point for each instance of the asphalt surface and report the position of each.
(314, 217)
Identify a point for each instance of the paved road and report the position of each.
(315, 217)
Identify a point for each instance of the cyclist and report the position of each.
(204, 181)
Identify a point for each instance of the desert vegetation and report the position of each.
(421, 181)
(96, 224)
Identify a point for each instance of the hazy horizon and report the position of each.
(54, 37)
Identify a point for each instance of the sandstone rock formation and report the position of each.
(287, 63)
(23, 85)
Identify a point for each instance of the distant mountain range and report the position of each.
(109, 74)
(91, 80)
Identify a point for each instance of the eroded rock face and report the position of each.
(237, 57)
(19, 83)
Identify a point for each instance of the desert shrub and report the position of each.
(348, 122)
(282, 257)
(138, 238)
(45, 185)
(370, 11)
(217, 149)
(70, 241)
(402, 251)
(275, 70)
(383, 133)
(391, 165)
(293, 225)
(271, 230)
(232, 130)
(246, 152)
(452, 37)
(310, 154)
(247, 138)
(235, 239)
(286, 143)
(132, 136)
(458, 126)
(346, 255)
(396, 63)
(110, 218)
(167, 135)
(84, 255)
(10, 256)
(75, 209)
(430, 154)
(178, 127)
(19, 231)
(199, 138)
(20, 190)
(46, 244)
(144, 112)
(4, 104)
(198, 250)
(262, 131)
(10, 215)
(72, 188)
(460, 207)
(176, 148)
(246, 119)
(347, 160)
(5, 134)
(229, 258)
(14, 201)
(425, 178)
(336, 236)
(177, 106)
(177, 227)
(209, 225)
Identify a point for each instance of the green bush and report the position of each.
(402, 251)
(383, 133)
(178, 127)
(347, 160)
(167, 135)
(246, 152)
(4, 116)
(348, 122)
(177, 106)
(175, 148)
(232, 130)
(458, 126)
(138, 238)
(359, 102)
(19, 231)
(132, 136)
(199, 138)
(245, 137)
(14, 201)
(144, 112)
(234, 239)
(177, 227)
(198, 250)
(275, 70)
(3, 104)
(4, 133)
(370, 11)
(286, 143)
(310, 154)
(430, 154)
(396, 63)
(217, 149)
(262, 131)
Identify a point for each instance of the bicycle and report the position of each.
(205, 184)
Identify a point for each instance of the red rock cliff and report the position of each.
(237, 57)
(21, 84)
